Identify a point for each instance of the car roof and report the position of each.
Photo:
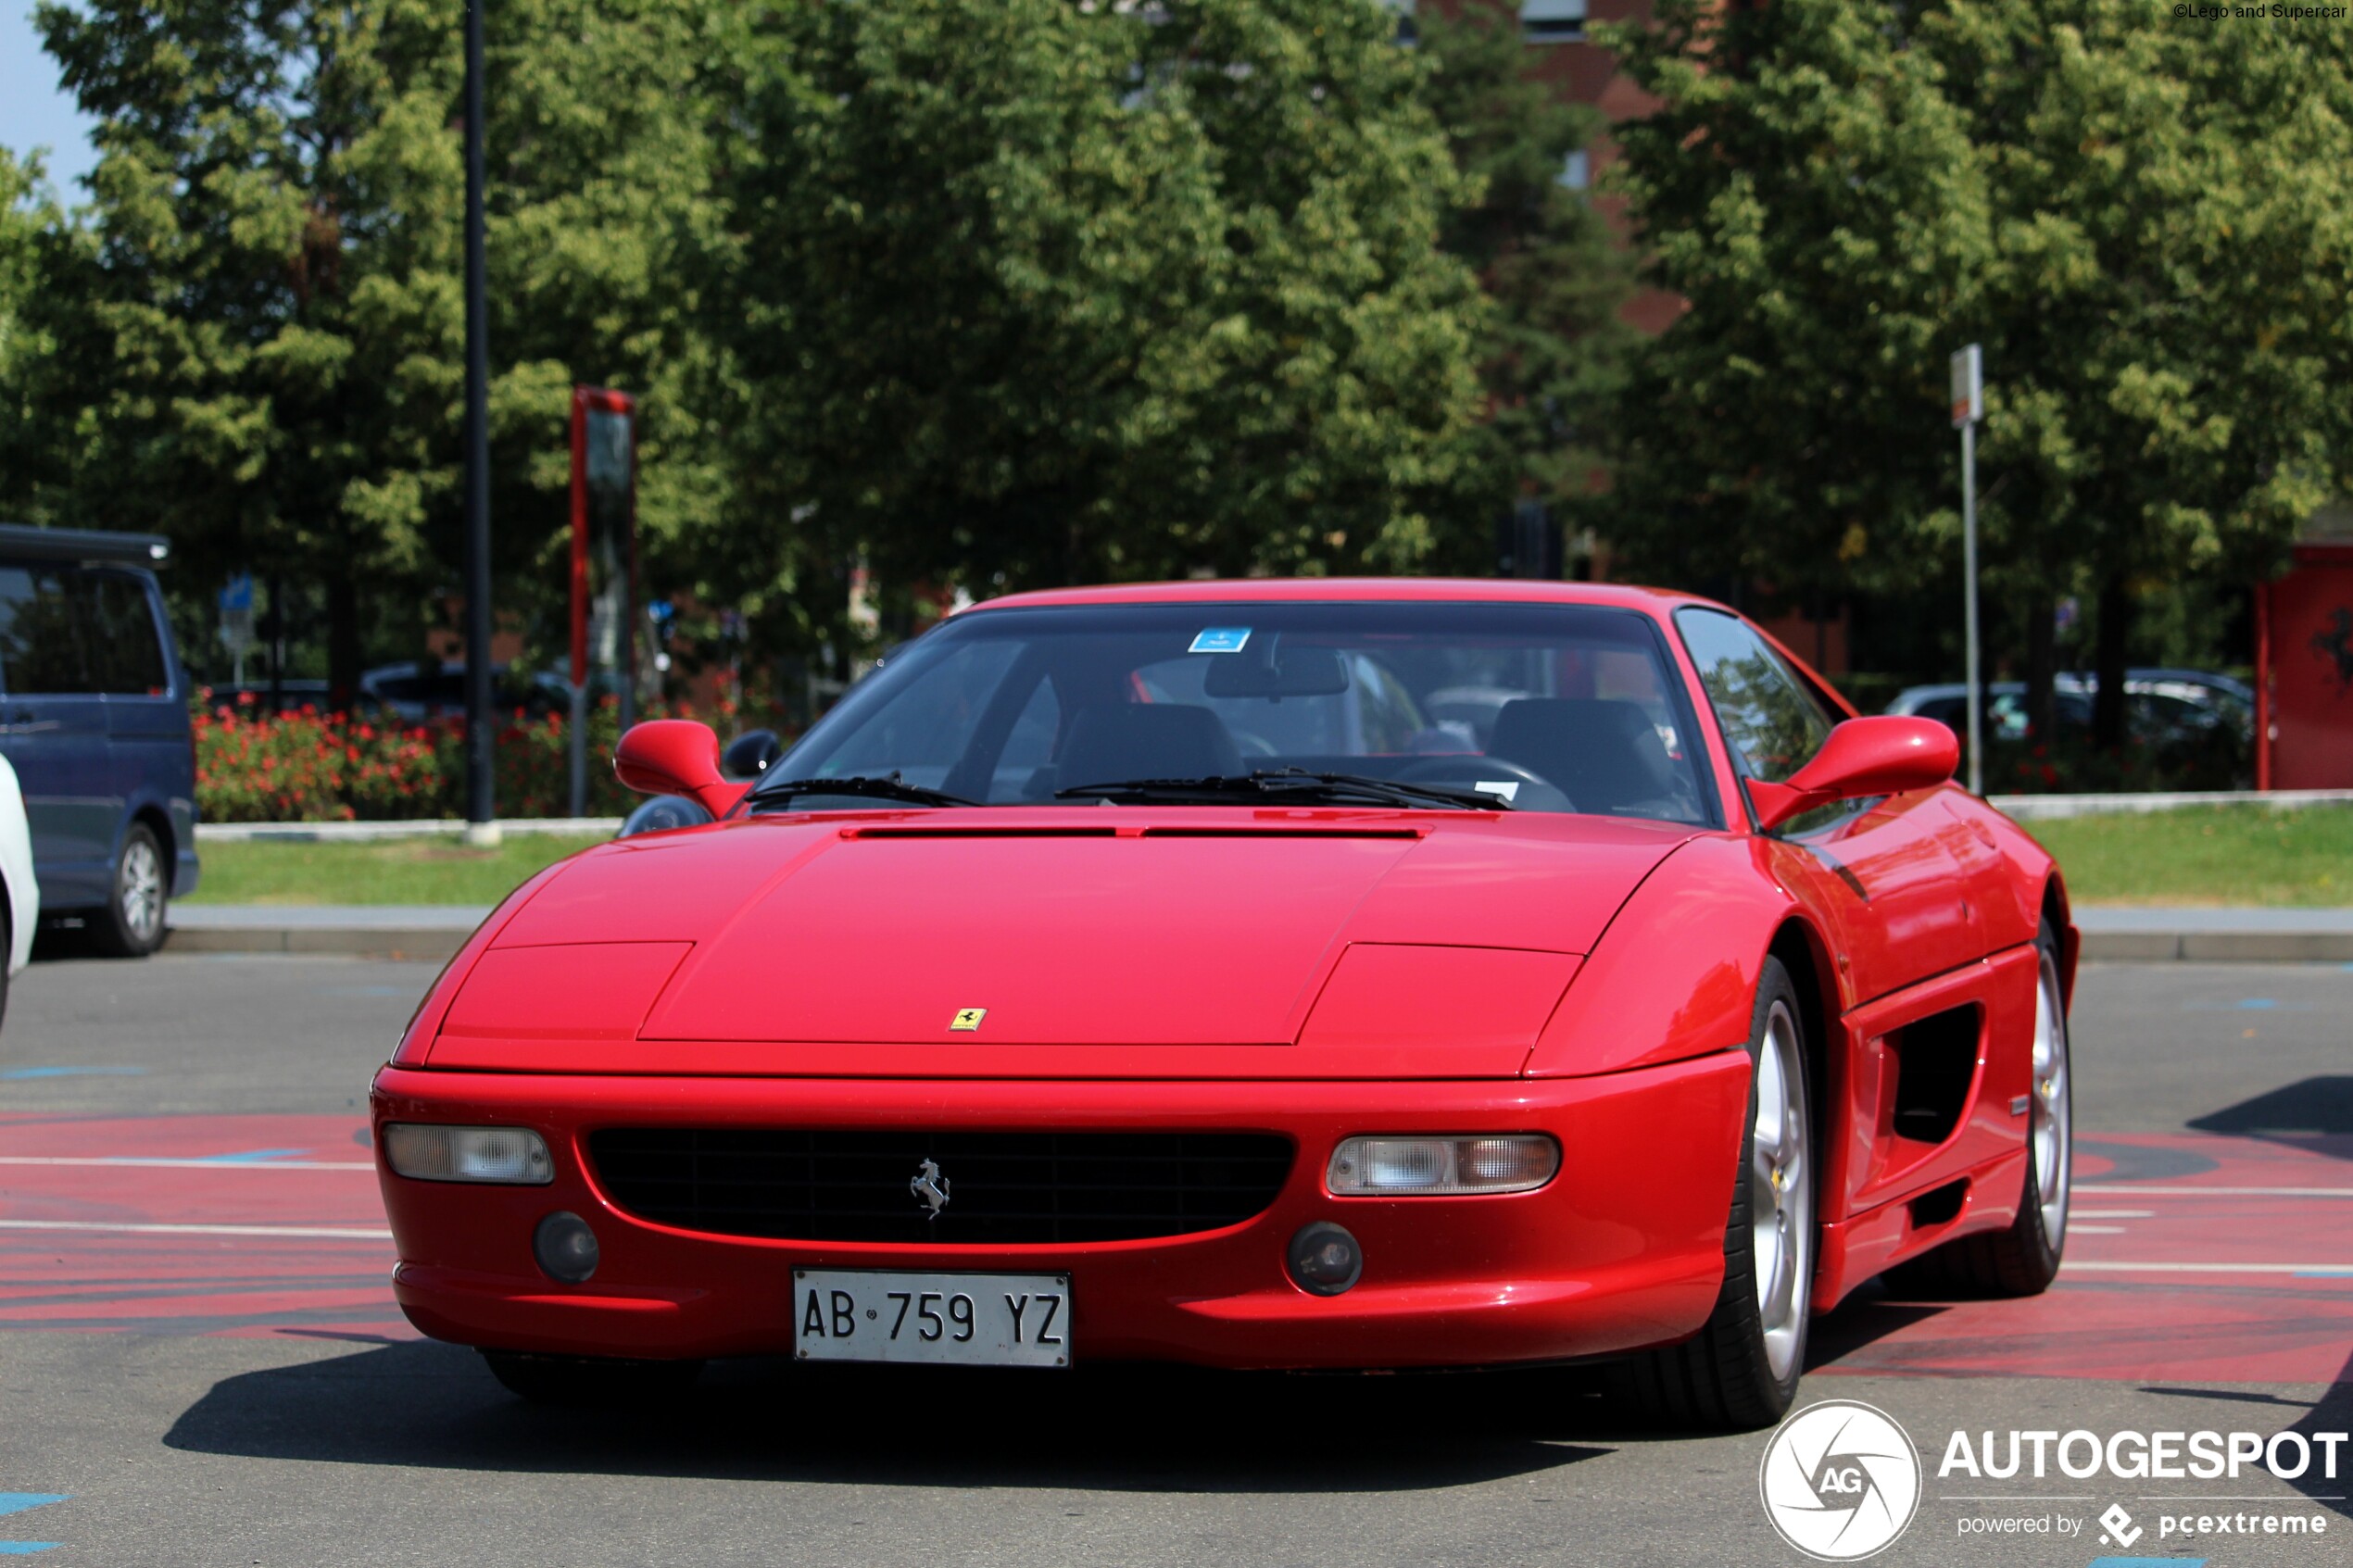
(1271, 590)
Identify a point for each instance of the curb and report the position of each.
(328, 833)
(417, 944)
(2217, 947)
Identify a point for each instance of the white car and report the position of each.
(16, 876)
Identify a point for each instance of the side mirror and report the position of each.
(1882, 754)
(748, 755)
(675, 756)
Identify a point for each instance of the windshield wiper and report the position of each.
(890, 788)
(1355, 788)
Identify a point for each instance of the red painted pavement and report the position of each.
(2150, 1202)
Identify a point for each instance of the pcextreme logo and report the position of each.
(1839, 1480)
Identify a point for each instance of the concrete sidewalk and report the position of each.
(428, 931)
(432, 931)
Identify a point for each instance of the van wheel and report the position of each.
(132, 926)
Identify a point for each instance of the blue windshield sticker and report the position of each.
(1221, 639)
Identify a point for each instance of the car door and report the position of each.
(149, 765)
(53, 728)
(1880, 874)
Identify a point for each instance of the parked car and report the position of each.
(1342, 1055)
(256, 697)
(20, 888)
(417, 693)
(93, 718)
(2162, 705)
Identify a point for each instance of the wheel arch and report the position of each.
(1807, 957)
(2056, 910)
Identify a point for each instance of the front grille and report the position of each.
(1003, 1187)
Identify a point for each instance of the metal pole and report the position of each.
(479, 826)
(579, 739)
(1968, 573)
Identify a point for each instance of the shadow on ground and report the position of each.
(1102, 1428)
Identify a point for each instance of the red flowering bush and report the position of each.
(308, 766)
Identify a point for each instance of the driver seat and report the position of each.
(1604, 756)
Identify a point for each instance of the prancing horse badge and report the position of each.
(967, 1019)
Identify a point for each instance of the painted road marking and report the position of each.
(2138, 1191)
(16, 1074)
(2314, 1271)
(321, 1233)
(214, 1162)
(17, 1503)
(2074, 1229)
(2112, 1214)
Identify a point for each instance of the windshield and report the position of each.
(1543, 708)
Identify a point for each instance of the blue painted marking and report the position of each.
(253, 1156)
(2324, 1273)
(25, 1549)
(17, 1502)
(19, 1072)
(1220, 639)
(2148, 1562)
(2256, 1004)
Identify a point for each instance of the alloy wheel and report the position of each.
(1780, 1192)
(142, 889)
(2052, 1110)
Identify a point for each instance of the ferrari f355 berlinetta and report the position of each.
(1268, 975)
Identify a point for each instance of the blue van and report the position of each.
(93, 717)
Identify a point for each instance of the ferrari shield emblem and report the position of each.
(967, 1019)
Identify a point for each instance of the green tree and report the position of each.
(1554, 344)
(255, 328)
(2125, 209)
(1031, 292)
(25, 211)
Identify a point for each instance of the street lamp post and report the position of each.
(1969, 406)
(479, 826)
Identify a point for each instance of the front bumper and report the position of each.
(1623, 1249)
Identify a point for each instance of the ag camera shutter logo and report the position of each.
(1839, 1480)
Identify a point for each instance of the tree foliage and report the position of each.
(2124, 208)
(255, 331)
(1034, 291)
(1553, 342)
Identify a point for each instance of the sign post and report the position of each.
(1969, 406)
(236, 622)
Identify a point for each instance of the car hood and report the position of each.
(1202, 942)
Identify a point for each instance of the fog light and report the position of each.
(565, 1246)
(1324, 1260)
(510, 1156)
(1406, 1167)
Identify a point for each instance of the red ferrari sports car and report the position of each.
(1257, 974)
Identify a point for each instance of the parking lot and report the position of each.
(200, 1361)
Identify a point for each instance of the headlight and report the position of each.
(1438, 1167)
(512, 1156)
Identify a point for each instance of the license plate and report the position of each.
(963, 1320)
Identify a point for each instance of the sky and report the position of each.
(33, 111)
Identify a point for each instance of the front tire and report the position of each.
(133, 923)
(1741, 1370)
(589, 1380)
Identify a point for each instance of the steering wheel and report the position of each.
(1465, 771)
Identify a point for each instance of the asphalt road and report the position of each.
(200, 1362)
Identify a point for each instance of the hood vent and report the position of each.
(979, 833)
(1280, 833)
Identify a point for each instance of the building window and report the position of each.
(1407, 33)
(1553, 21)
(1577, 170)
